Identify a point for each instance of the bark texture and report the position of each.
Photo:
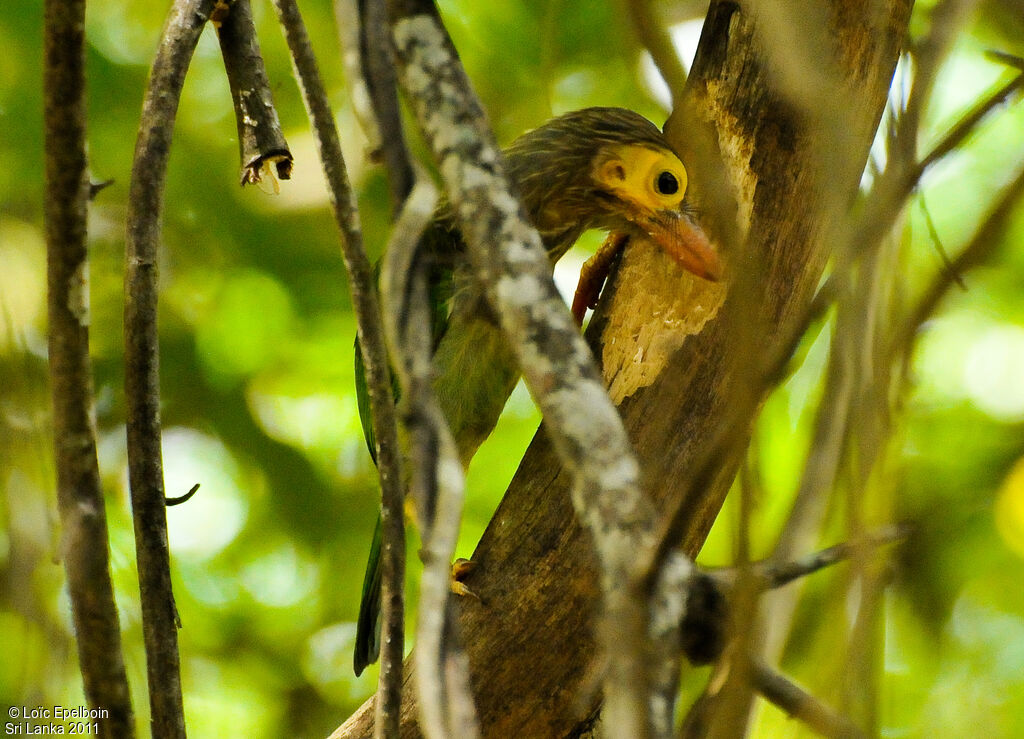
(79, 495)
(142, 363)
(530, 638)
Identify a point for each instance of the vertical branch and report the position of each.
(369, 67)
(377, 59)
(371, 341)
(446, 704)
(260, 140)
(142, 378)
(84, 546)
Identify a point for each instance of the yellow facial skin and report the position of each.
(649, 185)
(650, 179)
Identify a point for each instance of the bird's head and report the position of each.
(612, 169)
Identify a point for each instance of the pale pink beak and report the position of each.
(685, 241)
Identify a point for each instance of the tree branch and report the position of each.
(84, 546)
(438, 483)
(585, 429)
(374, 355)
(142, 374)
(800, 704)
(369, 65)
(531, 634)
(260, 140)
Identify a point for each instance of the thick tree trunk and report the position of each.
(530, 637)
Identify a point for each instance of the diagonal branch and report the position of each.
(583, 424)
(142, 374)
(980, 248)
(800, 704)
(84, 546)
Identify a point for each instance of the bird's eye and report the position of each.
(666, 184)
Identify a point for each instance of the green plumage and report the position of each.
(551, 167)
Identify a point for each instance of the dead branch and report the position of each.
(261, 142)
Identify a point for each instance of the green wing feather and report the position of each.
(440, 243)
(475, 372)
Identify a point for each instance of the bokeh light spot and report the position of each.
(211, 520)
(248, 321)
(994, 372)
(1010, 509)
(22, 283)
(280, 577)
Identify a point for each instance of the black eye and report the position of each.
(666, 184)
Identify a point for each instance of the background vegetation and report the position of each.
(256, 354)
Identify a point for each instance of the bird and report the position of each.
(598, 168)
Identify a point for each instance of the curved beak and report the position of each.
(684, 240)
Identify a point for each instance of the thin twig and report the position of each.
(84, 547)
(714, 611)
(142, 378)
(374, 354)
(980, 248)
(1010, 60)
(933, 234)
(183, 498)
(967, 124)
(261, 142)
(369, 62)
(656, 39)
(347, 21)
(800, 704)
(774, 574)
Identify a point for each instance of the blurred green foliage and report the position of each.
(258, 406)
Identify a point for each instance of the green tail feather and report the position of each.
(368, 626)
